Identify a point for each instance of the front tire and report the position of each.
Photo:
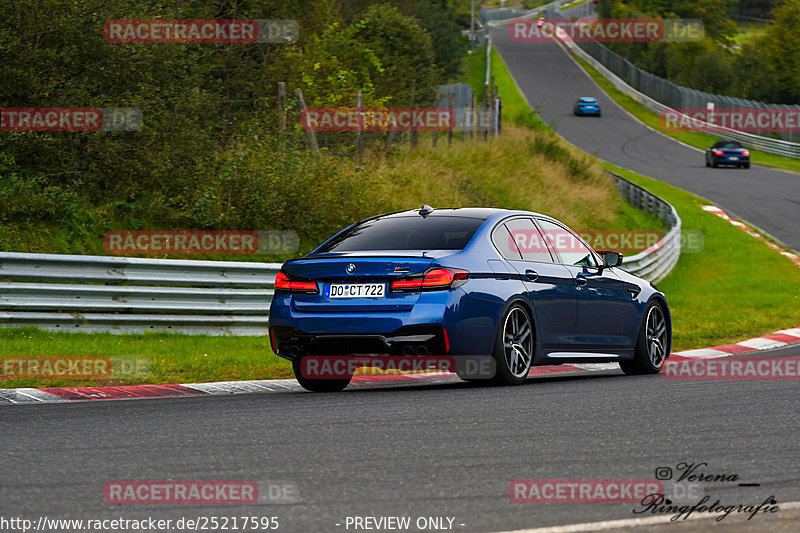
(513, 351)
(318, 385)
(651, 345)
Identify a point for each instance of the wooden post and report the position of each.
(474, 117)
(312, 137)
(359, 134)
(414, 133)
(484, 131)
(281, 116)
(499, 115)
(466, 121)
(451, 98)
(436, 131)
(389, 139)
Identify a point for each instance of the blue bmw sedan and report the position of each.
(513, 287)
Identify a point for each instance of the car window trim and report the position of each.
(504, 221)
(554, 249)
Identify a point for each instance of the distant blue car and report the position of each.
(515, 287)
(587, 105)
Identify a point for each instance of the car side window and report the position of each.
(504, 244)
(529, 240)
(568, 245)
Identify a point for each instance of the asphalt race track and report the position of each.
(551, 80)
(447, 450)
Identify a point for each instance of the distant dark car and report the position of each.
(587, 105)
(727, 153)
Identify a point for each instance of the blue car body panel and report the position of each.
(572, 323)
(587, 106)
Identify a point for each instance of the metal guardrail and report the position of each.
(652, 265)
(600, 58)
(133, 295)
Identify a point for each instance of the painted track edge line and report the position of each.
(28, 395)
(607, 525)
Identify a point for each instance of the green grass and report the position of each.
(696, 139)
(734, 289)
(174, 358)
(574, 3)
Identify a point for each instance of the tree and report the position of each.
(448, 44)
(405, 51)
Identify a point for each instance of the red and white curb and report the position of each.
(778, 339)
(750, 231)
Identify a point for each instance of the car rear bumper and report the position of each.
(729, 160)
(292, 343)
(444, 322)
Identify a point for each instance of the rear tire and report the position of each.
(707, 163)
(746, 165)
(513, 350)
(318, 385)
(651, 345)
(714, 163)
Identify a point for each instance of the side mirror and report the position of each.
(611, 259)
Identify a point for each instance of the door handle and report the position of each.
(531, 275)
(581, 280)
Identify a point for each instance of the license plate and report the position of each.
(733, 158)
(355, 290)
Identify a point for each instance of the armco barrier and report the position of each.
(132, 295)
(654, 265)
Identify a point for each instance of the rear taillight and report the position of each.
(284, 283)
(433, 279)
(272, 341)
(718, 152)
(746, 153)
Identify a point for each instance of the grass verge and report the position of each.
(174, 358)
(696, 139)
(735, 288)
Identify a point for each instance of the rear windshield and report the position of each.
(406, 233)
(728, 144)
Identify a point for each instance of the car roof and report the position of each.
(588, 99)
(482, 213)
(470, 212)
